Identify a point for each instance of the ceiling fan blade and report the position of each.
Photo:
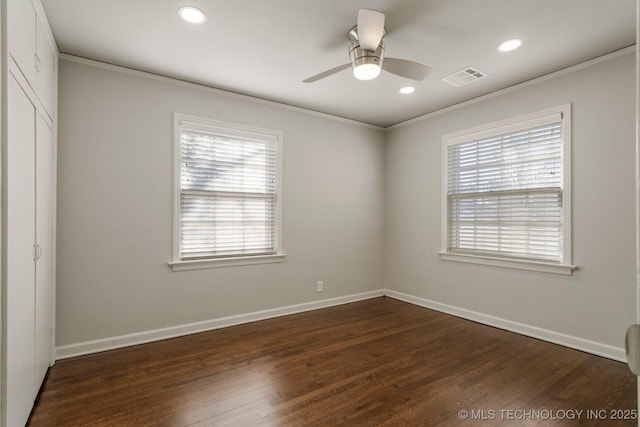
(403, 68)
(370, 28)
(326, 73)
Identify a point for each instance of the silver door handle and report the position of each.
(38, 63)
(632, 348)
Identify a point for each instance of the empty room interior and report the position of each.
(319, 213)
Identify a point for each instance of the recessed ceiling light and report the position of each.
(192, 14)
(407, 90)
(510, 45)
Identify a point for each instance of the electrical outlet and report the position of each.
(319, 286)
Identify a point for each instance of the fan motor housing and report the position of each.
(360, 56)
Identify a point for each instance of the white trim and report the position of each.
(95, 346)
(444, 206)
(177, 160)
(205, 124)
(512, 124)
(515, 124)
(567, 180)
(210, 89)
(586, 64)
(593, 347)
(173, 80)
(111, 343)
(184, 121)
(563, 113)
(200, 264)
(519, 264)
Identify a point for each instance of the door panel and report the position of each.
(20, 265)
(21, 36)
(44, 239)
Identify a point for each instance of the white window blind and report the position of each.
(228, 194)
(505, 193)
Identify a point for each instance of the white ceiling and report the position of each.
(265, 48)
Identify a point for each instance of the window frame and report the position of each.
(183, 121)
(498, 128)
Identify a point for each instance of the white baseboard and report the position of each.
(599, 349)
(89, 347)
(96, 346)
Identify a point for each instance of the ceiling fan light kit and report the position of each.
(366, 52)
(366, 64)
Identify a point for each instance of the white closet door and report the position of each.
(44, 240)
(20, 272)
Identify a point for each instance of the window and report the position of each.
(506, 196)
(227, 194)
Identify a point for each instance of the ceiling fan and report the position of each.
(366, 51)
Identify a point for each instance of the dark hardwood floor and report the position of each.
(379, 362)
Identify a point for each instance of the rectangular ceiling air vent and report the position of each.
(463, 77)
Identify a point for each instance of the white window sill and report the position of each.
(200, 264)
(520, 264)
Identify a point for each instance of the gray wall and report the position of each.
(115, 208)
(598, 302)
(355, 199)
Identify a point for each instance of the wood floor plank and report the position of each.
(372, 363)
